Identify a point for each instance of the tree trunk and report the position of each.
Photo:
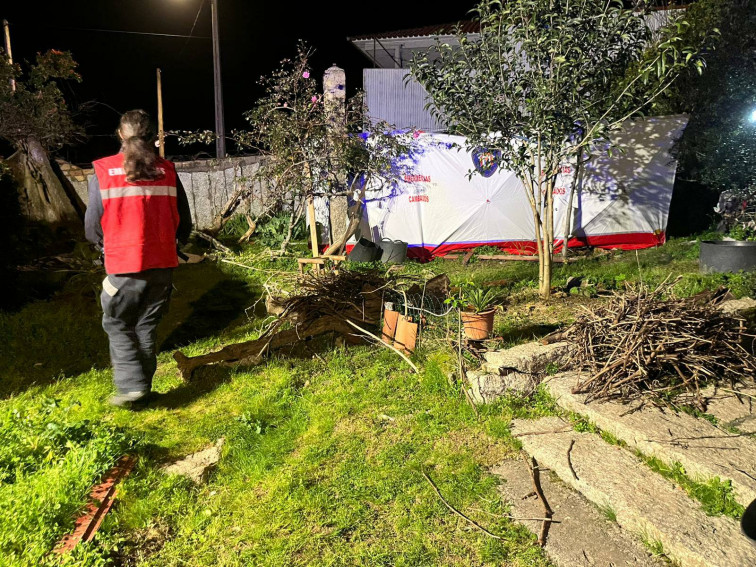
(296, 215)
(42, 196)
(354, 215)
(568, 216)
(548, 239)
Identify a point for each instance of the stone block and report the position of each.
(704, 450)
(642, 501)
(583, 537)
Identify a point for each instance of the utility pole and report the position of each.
(8, 51)
(220, 127)
(161, 130)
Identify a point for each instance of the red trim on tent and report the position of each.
(622, 241)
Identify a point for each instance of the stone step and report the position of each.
(731, 409)
(704, 450)
(642, 501)
(583, 537)
(528, 358)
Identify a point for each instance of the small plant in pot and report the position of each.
(479, 306)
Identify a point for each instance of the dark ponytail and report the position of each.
(137, 144)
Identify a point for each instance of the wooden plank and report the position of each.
(311, 260)
(516, 257)
(467, 257)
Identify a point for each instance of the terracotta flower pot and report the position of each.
(478, 326)
(406, 335)
(390, 319)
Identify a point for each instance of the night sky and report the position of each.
(118, 69)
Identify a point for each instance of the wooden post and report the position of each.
(313, 225)
(311, 214)
(161, 131)
(8, 51)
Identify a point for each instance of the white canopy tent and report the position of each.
(621, 200)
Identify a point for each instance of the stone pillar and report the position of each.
(334, 95)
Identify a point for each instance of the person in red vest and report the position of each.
(137, 211)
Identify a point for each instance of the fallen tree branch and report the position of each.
(517, 518)
(547, 511)
(212, 241)
(457, 512)
(252, 227)
(738, 393)
(251, 352)
(569, 460)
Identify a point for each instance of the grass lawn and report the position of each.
(324, 451)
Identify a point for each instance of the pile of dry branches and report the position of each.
(642, 343)
(351, 294)
(343, 302)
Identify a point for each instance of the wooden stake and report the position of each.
(161, 132)
(313, 225)
(8, 51)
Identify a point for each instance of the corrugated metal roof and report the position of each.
(466, 26)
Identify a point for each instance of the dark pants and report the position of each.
(132, 305)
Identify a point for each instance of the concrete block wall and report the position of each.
(209, 184)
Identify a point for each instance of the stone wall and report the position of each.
(208, 183)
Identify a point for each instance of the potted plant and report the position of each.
(479, 306)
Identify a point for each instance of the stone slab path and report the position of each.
(644, 502)
(704, 450)
(583, 537)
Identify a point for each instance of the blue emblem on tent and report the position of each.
(486, 161)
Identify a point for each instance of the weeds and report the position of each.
(49, 459)
(715, 495)
(608, 512)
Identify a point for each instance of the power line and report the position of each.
(191, 32)
(119, 31)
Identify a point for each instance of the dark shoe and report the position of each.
(130, 400)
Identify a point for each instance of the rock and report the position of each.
(530, 357)
(737, 306)
(198, 465)
(486, 387)
(642, 501)
(583, 537)
(515, 370)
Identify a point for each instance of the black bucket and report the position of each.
(727, 256)
(394, 251)
(365, 251)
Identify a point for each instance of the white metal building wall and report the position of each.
(388, 98)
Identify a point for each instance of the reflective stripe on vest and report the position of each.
(138, 191)
(139, 219)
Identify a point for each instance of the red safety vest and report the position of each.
(139, 219)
